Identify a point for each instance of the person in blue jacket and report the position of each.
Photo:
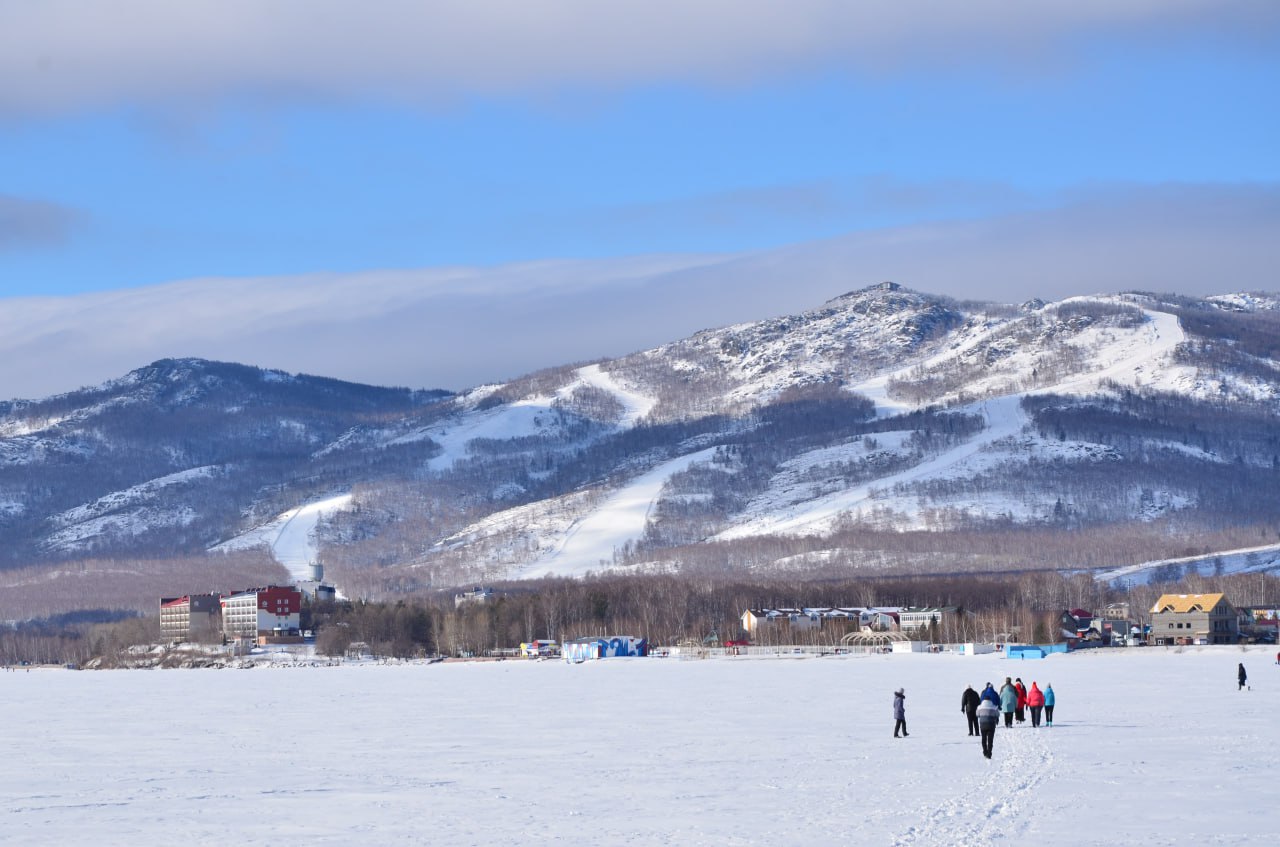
(1048, 705)
(989, 694)
(1008, 701)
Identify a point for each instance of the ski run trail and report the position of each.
(291, 537)
(590, 542)
(1125, 363)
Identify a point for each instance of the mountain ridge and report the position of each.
(882, 410)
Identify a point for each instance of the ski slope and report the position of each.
(525, 417)
(590, 542)
(1125, 358)
(1263, 559)
(291, 535)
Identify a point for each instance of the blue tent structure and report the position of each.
(603, 647)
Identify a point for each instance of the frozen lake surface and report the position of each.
(1149, 746)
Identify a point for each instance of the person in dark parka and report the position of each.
(969, 705)
(1241, 677)
(900, 713)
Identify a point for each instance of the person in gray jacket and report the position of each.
(988, 717)
(1008, 700)
(900, 713)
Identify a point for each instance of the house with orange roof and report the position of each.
(1194, 619)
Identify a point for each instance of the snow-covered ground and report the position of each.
(292, 535)
(525, 417)
(619, 519)
(1149, 746)
(1244, 560)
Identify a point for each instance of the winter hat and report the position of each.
(901, 691)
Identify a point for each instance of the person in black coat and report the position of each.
(900, 713)
(1241, 677)
(969, 705)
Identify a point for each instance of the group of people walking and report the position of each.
(983, 710)
(1013, 701)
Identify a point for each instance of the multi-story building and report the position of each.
(262, 614)
(1194, 619)
(192, 617)
(921, 617)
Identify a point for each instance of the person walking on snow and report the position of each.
(1048, 705)
(988, 717)
(1019, 713)
(989, 694)
(900, 713)
(1008, 701)
(969, 705)
(1035, 702)
(1241, 676)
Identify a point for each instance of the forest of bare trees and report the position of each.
(665, 609)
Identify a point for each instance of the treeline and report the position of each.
(666, 609)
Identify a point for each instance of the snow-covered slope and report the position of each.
(291, 536)
(883, 409)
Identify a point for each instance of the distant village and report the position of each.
(271, 615)
(1175, 620)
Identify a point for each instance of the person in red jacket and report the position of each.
(1035, 701)
(1019, 712)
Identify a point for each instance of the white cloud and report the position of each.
(455, 328)
(61, 55)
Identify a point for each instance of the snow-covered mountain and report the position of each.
(886, 429)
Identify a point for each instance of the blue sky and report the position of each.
(144, 142)
(122, 184)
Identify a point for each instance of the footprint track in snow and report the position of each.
(999, 804)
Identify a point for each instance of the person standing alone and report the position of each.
(900, 713)
(1241, 677)
(969, 705)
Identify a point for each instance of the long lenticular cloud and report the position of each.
(456, 328)
(58, 56)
